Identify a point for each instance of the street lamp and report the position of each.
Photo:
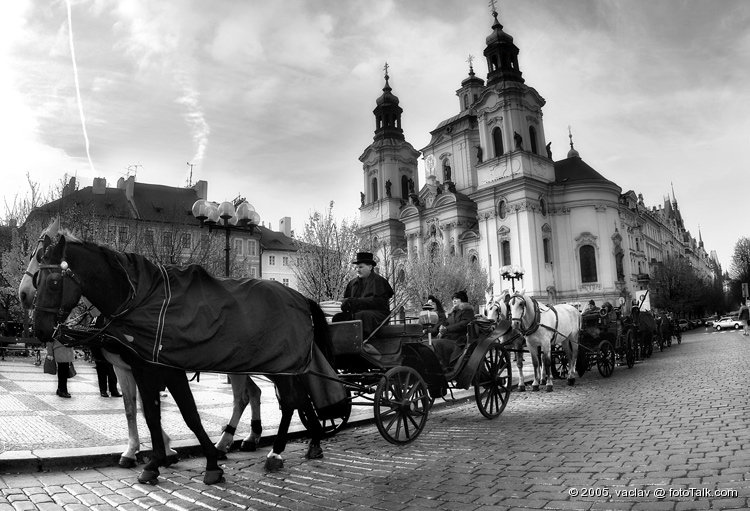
(225, 216)
(511, 272)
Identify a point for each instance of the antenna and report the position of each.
(132, 170)
(190, 179)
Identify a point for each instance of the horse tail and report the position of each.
(321, 333)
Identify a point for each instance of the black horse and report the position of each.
(166, 320)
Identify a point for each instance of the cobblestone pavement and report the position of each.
(668, 434)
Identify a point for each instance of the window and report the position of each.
(588, 263)
(285, 261)
(272, 279)
(238, 247)
(497, 141)
(253, 272)
(547, 250)
(272, 261)
(466, 101)
(252, 247)
(374, 189)
(186, 240)
(532, 139)
(204, 241)
(543, 207)
(122, 234)
(111, 233)
(404, 187)
(502, 210)
(148, 237)
(505, 248)
(285, 282)
(166, 239)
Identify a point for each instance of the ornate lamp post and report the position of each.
(512, 272)
(225, 216)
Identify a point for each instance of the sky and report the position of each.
(273, 100)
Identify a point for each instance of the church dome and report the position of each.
(573, 153)
(498, 35)
(387, 98)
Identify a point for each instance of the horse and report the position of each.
(128, 289)
(244, 390)
(541, 326)
(497, 310)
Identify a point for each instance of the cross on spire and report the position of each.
(385, 68)
(570, 136)
(494, 7)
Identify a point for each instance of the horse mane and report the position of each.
(69, 236)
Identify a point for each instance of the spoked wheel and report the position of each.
(559, 365)
(605, 360)
(492, 383)
(401, 405)
(630, 350)
(333, 425)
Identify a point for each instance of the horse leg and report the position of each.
(239, 403)
(519, 365)
(571, 346)
(179, 387)
(533, 351)
(250, 443)
(314, 451)
(148, 385)
(547, 366)
(274, 461)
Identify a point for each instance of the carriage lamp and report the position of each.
(428, 317)
(225, 216)
(511, 272)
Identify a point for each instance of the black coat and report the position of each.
(370, 293)
(457, 321)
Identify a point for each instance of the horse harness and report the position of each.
(536, 322)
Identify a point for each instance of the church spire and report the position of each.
(387, 113)
(501, 54)
(572, 153)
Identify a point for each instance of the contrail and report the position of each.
(78, 88)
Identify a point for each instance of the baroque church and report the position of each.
(493, 193)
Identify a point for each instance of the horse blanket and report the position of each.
(188, 319)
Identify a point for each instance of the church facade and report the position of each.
(493, 193)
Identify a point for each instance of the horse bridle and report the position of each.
(61, 312)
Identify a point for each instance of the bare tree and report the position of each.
(739, 269)
(324, 255)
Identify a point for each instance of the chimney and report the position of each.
(285, 226)
(129, 185)
(100, 186)
(201, 189)
(70, 187)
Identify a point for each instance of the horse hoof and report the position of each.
(314, 452)
(571, 382)
(171, 460)
(544, 381)
(274, 464)
(521, 388)
(249, 446)
(213, 476)
(535, 388)
(221, 455)
(549, 388)
(126, 462)
(149, 477)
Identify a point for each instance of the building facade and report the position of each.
(493, 193)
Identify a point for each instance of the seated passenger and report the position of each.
(591, 308)
(366, 296)
(438, 308)
(452, 332)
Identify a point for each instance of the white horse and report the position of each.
(244, 389)
(542, 327)
(496, 309)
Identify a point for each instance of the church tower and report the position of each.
(389, 168)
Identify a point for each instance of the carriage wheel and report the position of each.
(559, 364)
(492, 383)
(401, 405)
(630, 350)
(605, 360)
(331, 426)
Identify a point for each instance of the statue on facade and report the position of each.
(446, 172)
(411, 186)
(388, 188)
(518, 140)
(479, 153)
(452, 187)
(362, 198)
(549, 150)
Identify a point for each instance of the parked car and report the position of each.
(728, 322)
(709, 322)
(683, 325)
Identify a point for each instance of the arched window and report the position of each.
(374, 189)
(474, 259)
(497, 141)
(532, 139)
(502, 210)
(404, 187)
(588, 263)
(543, 207)
(505, 249)
(466, 101)
(547, 250)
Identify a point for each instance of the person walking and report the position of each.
(105, 374)
(63, 357)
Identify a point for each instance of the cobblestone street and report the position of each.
(675, 423)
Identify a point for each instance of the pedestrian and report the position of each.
(105, 374)
(452, 332)
(744, 317)
(63, 357)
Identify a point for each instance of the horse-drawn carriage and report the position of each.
(396, 371)
(606, 338)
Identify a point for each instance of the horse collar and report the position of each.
(537, 317)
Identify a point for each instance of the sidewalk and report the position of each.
(40, 431)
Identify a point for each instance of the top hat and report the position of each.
(365, 257)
